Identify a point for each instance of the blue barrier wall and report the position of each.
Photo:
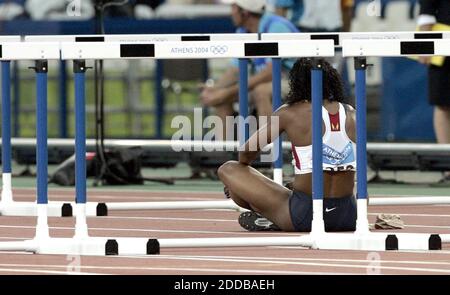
(119, 26)
(405, 112)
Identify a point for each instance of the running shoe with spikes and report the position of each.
(226, 192)
(253, 221)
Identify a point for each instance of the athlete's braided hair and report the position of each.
(300, 82)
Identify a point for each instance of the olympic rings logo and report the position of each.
(219, 49)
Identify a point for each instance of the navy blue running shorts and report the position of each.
(339, 214)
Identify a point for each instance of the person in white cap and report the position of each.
(250, 17)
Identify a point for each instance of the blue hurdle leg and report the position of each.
(317, 174)
(243, 132)
(79, 69)
(41, 70)
(276, 103)
(6, 132)
(362, 224)
(16, 99)
(62, 88)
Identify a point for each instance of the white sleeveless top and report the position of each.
(338, 153)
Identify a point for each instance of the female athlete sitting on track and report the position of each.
(274, 207)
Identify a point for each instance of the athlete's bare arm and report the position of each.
(271, 130)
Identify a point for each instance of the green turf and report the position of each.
(117, 125)
(182, 171)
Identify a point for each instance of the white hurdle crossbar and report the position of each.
(196, 49)
(137, 38)
(388, 48)
(339, 38)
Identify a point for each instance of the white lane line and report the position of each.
(415, 215)
(69, 198)
(170, 219)
(176, 269)
(155, 230)
(125, 191)
(197, 231)
(262, 260)
(365, 261)
(406, 196)
(427, 226)
(106, 190)
(41, 271)
(234, 219)
(369, 265)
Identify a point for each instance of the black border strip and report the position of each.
(137, 50)
(334, 37)
(416, 47)
(428, 36)
(261, 49)
(89, 39)
(196, 38)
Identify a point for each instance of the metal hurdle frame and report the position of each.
(11, 208)
(13, 49)
(6, 195)
(318, 239)
(81, 243)
(8, 207)
(362, 239)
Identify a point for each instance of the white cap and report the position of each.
(256, 6)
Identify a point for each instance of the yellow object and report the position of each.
(437, 60)
(347, 3)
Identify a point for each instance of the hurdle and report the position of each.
(101, 209)
(81, 243)
(339, 38)
(65, 209)
(6, 196)
(14, 49)
(318, 239)
(362, 239)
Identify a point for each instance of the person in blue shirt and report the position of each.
(291, 9)
(250, 17)
(317, 15)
